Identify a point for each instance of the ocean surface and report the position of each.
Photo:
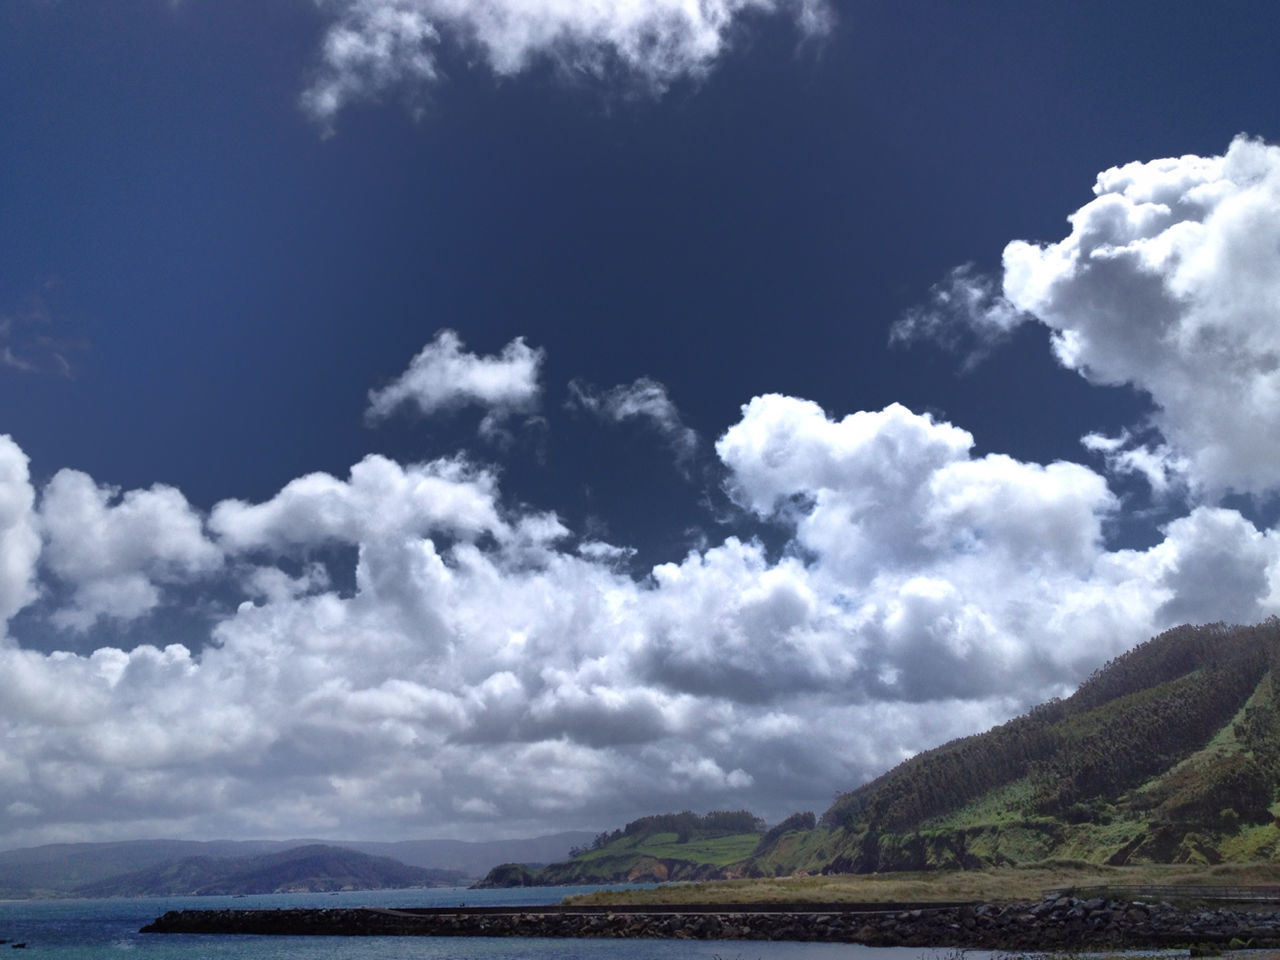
(108, 930)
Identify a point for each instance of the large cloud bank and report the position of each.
(483, 669)
(485, 665)
(378, 46)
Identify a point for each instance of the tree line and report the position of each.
(686, 825)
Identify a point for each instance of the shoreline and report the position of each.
(1049, 924)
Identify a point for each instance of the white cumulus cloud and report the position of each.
(116, 550)
(381, 496)
(1168, 283)
(19, 533)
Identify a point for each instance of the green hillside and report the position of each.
(678, 846)
(1168, 754)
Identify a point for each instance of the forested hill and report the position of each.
(667, 846)
(1170, 752)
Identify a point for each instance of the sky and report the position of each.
(437, 419)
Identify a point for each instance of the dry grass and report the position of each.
(1008, 883)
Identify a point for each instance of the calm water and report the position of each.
(108, 930)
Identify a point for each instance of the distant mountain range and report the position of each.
(314, 868)
(143, 867)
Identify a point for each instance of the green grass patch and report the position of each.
(1010, 803)
(1005, 883)
(720, 851)
(1252, 843)
(1094, 842)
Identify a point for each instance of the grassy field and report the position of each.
(1009, 883)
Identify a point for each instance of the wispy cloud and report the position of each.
(29, 343)
(644, 400)
(375, 47)
(964, 313)
(443, 376)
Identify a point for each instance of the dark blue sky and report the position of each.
(201, 283)
(755, 231)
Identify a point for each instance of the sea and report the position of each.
(108, 930)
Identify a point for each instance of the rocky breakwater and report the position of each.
(1069, 922)
(1049, 924)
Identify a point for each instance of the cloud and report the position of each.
(380, 499)
(378, 46)
(645, 400)
(444, 377)
(965, 312)
(19, 533)
(909, 539)
(603, 552)
(28, 341)
(115, 551)
(1166, 283)
(373, 47)
(483, 664)
(275, 585)
(1215, 565)
(1158, 464)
